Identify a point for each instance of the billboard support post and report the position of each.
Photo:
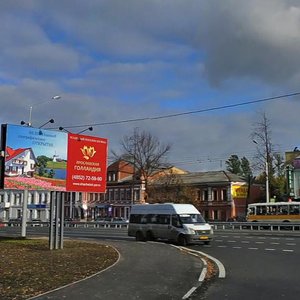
(56, 230)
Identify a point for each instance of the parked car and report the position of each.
(35, 222)
(119, 220)
(15, 222)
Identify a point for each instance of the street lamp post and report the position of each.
(57, 97)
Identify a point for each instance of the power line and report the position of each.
(189, 112)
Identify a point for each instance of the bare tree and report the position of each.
(145, 152)
(264, 158)
(261, 136)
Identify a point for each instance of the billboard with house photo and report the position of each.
(37, 159)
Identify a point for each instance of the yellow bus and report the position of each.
(274, 212)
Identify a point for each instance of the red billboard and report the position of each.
(87, 157)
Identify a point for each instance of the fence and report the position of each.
(238, 226)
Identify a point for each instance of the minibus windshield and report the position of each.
(191, 219)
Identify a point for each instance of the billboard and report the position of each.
(86, 163)
(35, 159)
(239, 191)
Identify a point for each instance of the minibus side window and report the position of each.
(176, 221)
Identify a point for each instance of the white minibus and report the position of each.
(180, 223)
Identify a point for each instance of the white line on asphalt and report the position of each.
(275, 238)
(224, 236)
(245, 242)
(287, 250)
(275, 243)
(290, 239)
(291, 244)
(222, 272)
(222, 246)
(204, 271)
(189, 293)
(270, 249)
(231, 241)
(236, 247)
(252, 248)
(259, 242)
(261, 238)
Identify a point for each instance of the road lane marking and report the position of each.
(270, 249)
(291, 244)
(259, 242)
(222, 246)
(287, 250)
(245, 242)
(237, 247)
(252, 248)
(275, 243)
(231, 241)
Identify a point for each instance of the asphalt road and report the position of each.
(259, 265)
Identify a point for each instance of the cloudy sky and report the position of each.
(115, 61)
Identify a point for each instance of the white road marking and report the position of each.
(252, 248)
(270, 249)
(291, 244)
(231, 241)
(287, 250)
(222, 246)
(245, 242)
(275, 243)
(259, 242)
(237, 247)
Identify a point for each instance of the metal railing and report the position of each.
(272, 226)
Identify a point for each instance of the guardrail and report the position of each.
(275, 226)
(272, 226)
(76, 224)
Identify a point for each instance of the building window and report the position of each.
(111, 194)
(117, 194)
(111, 176)
(122, 194)
(215, 195)
(224, 196)
(215, 215)
(205, 195)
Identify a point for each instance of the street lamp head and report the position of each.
(57, 97)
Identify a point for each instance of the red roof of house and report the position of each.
(11, 153)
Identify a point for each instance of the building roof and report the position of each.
(210, 177)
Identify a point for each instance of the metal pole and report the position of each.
(24, 213)
(30, 114)
(57, 203)
(62, 220)
(267, 182)
(52, 214)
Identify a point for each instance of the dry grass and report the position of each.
(28, 267)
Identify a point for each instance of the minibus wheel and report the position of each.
(149, 236)
(139, 236)
(182, 240)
